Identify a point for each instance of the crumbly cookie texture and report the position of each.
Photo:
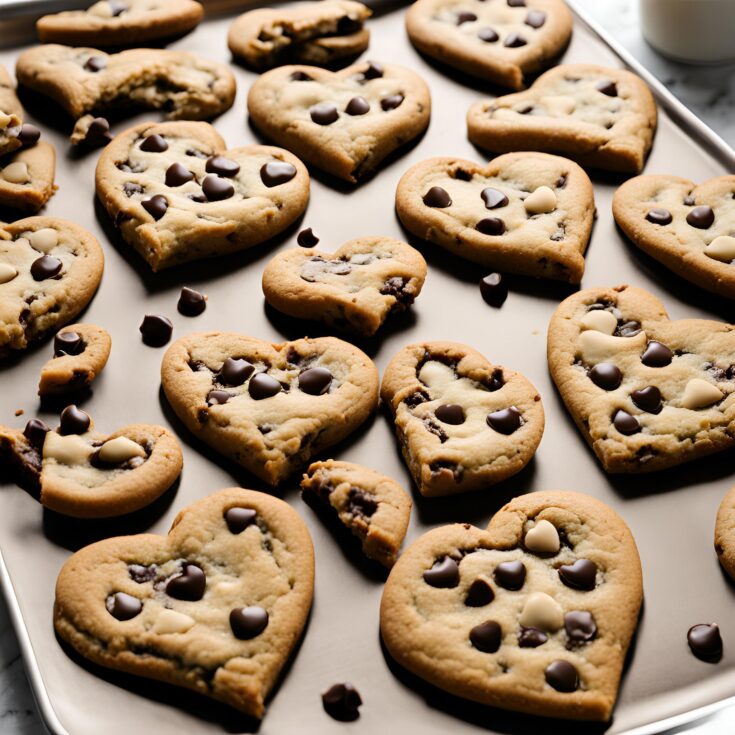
(725, 533)
(120, 22)
(462, 423)
(177, 193)
(217, 606)
(80, 354)
(269, 407)
(356, 288)
(84, 80)
(80, 472)
(318, 33)
(528, 213)
(49, 271)
(343, 122)
(375, 508)
(27, 177)
(646, 392)
(602, 118)
(498, 41)
(11, 114)
(534, 614)
(688, 228)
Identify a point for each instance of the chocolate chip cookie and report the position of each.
(725, 533)
(11, 115)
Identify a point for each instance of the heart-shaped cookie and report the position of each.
(80, 472)
(725, 533)
(49, 271)
(462, 423)
(528, 213)
(500, 41)
(355, 288)
(216, 606)
(646, 392)
(534, 614)
(343, 122)
(178, 194)
(27, 177)
(269, 407)
(602, 118)
(688, 228)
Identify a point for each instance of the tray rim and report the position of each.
(685, 119)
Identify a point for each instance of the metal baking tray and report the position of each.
(671, 513)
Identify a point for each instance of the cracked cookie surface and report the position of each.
(647, 393)
(462, 423)
(216, 606)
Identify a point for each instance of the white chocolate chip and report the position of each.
(721, 248)
(7, 273)
(543, 538)
(70, 449)
(170, 621)
(600, 320)
(543, 612)
(541, 201)
(43, 240)
(699, 394)
(101, 9)
(559, 104)
(436, 375)
(597, 347)
(16, 173)
(120, 449)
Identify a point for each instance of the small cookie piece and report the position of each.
(91, 131)
(84, 80)
(27, 177)
(500, 41)
(541, 631)
(177, 193)
(49, 271)
(80, 355)
(528, 213)
(725, 533)
(318, 33)
(343, 122)
(269, 407)
(120, 22)
(647, 393)
(85, 474)
(375, 508)
(462, 423)
(601, 118)
(11, 114)
(688, 228)
(355, 288)
(217, 606)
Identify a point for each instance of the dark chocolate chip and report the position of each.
(324, 113)
(657, 355)
(562, 676)
(235, 371)
(488, 35)
(156, 205)
(608, 87)
(68, 343)
(582, 575)
(35, 431)
(535, 18)
(580, 626)
(131, 188)
(307, 239)
(275, 173)
(73, 421)
(701, 217)
(465, 17)
(491, 226)
(218, 397)
(647, 399)
(517, 3)
(494, 289)
(705, 642)
(216, 188)
(357, 106)
(531, 638)
(117, 7)
(360, 503)
(238, 519)
(437, 197)
(625, 423)
(605, 375)
(444, 573)
(188, 585)
(222, 166)
(95, 64)
(486, 637)
(659, 216)
(191, 302)
(391, 102)
(373, 71)
(156, 330)
(98, 133)
(514, 40)
(123, 606)
(450, 413)
(154, 144)
(493, 198)
(248, 622)
(177, 175)
(300, 76)
(263, 386)
(315, 381)
(346, 26)
(505, 421)
(341, 701)
(479, 594)
(689, 200)
(28, 135)
(45, 267)
(510, 575)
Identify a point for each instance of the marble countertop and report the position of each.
(708, 91)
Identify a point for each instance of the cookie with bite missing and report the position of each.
(11, 115)
(27, 177)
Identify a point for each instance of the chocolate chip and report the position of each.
(28, 135)
(191, 302)
(347, 26)
(324, 113)
(307, 239)
(582, 575)
(437, 197)
(45, 267)
(510, 575)
(35, 431)
(300, 76)
(357, 106)
(95, 63)
(373, 71)
(491, 226)
(628, 329)
(657, 355)
(493, 198)
(263, 386)
(235, 371)
(465, 17)
(605, 375)
(580, 626)
(122, 606)
(222, 166)
(494, 289)
(131, 188)
(505, 421)
(238, 519)
(514, 40)
(705, 642)
(647, 399)
(156, 205)
(154, 144)
(275, 173)
(391, 102)
(177, 175)
(535, 18)
(531, 637)
(625, 423)
(659, 216)
(315, 381)
(218, 397)
(73, 421)
(68, 343)
(216, 188)
(479, 594)
(450, 413)
(444, 573)
(98, 133)
(156, 330)
(608, 87)
(562, 676)
(360, 503)
(689, 200)
(117, 7)
(188, 585)
(701, 217)
(517, 3)
(488, 35)
(341, 701)
(248, 622)
(486, 636)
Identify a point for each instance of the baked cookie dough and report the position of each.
(725, 533)
(27, 177)
(11, 115)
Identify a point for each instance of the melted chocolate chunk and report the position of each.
(628, 329)
(123, 606)
(360, 503)
(705, 642)
(659, 216)
(46, 267)
(156, 206)
(479, 594)
(275, 173)
(307, 239)
(95, 64)
(517, 3)
(531, 637)
(514, 40)
(263, 386)
(486, 637)
(450, 413)
(701, 217)
(465, 17)
(141, 574)
(396, 286)
(98, 133)
(235, 371)
(218, 397)
(437, 197)
(341, 701)
(579, 626)
(582, 575)
(28, 135)
(373, 71)
(607, 87)
(68, 343)
(491, 226)
(222, 166)
(505, 421)
(191, 302)
(73, 421)
(657, 355)
(493, 198)
(494, 289)
(648, 399)
(488, 35)
(562, 676)
(535, 18)
(131, 188)
(315, 381)
(324, 113)
(188, 585)
(238, 519)
(625, 423)
(300, 76)
(605, 375)
(156, 330)
(248, 622)
(347, 26)
(178, 175)
(391, 102)
(216, 188)
(357, 106)
(510, 575)
(35, 431)
(443, 574)
(154, 144)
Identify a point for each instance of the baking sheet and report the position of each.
(671, 514)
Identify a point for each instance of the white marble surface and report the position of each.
(708, 91)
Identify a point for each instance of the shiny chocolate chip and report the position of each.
(705, 642)
(479, 594)
(191, 302)
(248, 622)
(531, 638)
(647, 399)
(218, 397)
(307, 239)
(73, 421)
(95, 64)
(263, 386)
(510, 575)
(493, 198)
(123, 606)
(491, 226)
(580, 626)
(607, 87)
(701, 217)
(235, 371)
(216, 188)
(517, 3)
(465, 17)
(154, 144)
(324, 113)
(315, 381)
(562, 676)
(488, 35)
(373, 71)
(156, 330)
(357, 106)
(177, 175)
(342, 702)
(68, 343)
(35, 431)
(657, 355)
(188, 585)
(494, 289)
(156, 206)
(625, 423)
(45, 267)
(582, 575)
(486, 637)
(505, 421)
(444, 573)
(391, 102)
(275, 173)
(437, 197)
(28, 135)
(535, 18)
(659, 216)
(514, 40)
(450, 413)
(238, 519)
(222, 166)
(605, 375)
(98, 133)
